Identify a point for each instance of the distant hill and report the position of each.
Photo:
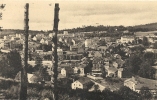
(14, 31)
(150, 26)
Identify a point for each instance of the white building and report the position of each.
(51, 35)
(127, 39)
(67, 71)
(34, 38)
(88, 42)
(1, 44)
(136, 83)
(42, 41)
(81, 83)
(65, 32)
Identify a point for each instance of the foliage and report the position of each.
(103, 72)
(33, 93)
(138, 49)
(96, 87)
(47, 94)
(13, 92)
(140, 63)
(133, 63)
(30, 68)
(128, 94)
(149, 57)
(145, 93)
(10, 66)
(5, 84)
(145, 41)
(88, 68)
(146, 71)
(46, 48)
(155, 45)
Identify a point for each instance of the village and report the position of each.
(93, 63)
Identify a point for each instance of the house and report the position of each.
(73, 48)
(81, 50)
(34, 38)
(75, 42)
(88, 42)
(117, 56)
(82, 68)
(127, 39)
(67, 71)
(155, 68)
(76, 69)
(112, 72)
(15, 38)
(6, 37)
(60, 39)
(136, 83)
(31, 77)
(42, 41)
(97, 54)
(102, 48)
(115, 64)
(65, 32)
(48, 42)
(97, 63)
(1, 44)
(82, 83)
(51, 35)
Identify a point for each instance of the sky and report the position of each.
(74, 14)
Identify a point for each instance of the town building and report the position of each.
(136, 83)
(127, 39)
(81, 83)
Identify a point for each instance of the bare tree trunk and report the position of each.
(24, 80)
(55, 63)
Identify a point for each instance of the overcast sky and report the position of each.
(75, 14)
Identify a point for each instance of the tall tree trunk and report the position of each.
(55, 56)
(24, 80)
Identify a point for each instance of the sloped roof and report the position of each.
(112, 69)
(151, 84)
(84, 80)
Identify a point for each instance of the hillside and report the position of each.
(151, 26)
(14, 31)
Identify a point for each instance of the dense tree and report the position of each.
(133, 63)
(127, 94)
(46, 47)
(88, 68)
(145, 41)
(11, 66)
(145, 93)
(30, 68)
(146, 71)
(138, 49)
(155, 45)
(149, 57)
(38, 63)
(103, 72)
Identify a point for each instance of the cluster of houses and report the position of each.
(84, 57)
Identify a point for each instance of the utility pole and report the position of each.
(54, 54)
(2, 6)
(24, 80)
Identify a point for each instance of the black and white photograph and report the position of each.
(78, 50)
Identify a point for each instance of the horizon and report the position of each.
(77, 14)
(82, 27)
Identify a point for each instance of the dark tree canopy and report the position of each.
(11, 65)
(145, 93)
